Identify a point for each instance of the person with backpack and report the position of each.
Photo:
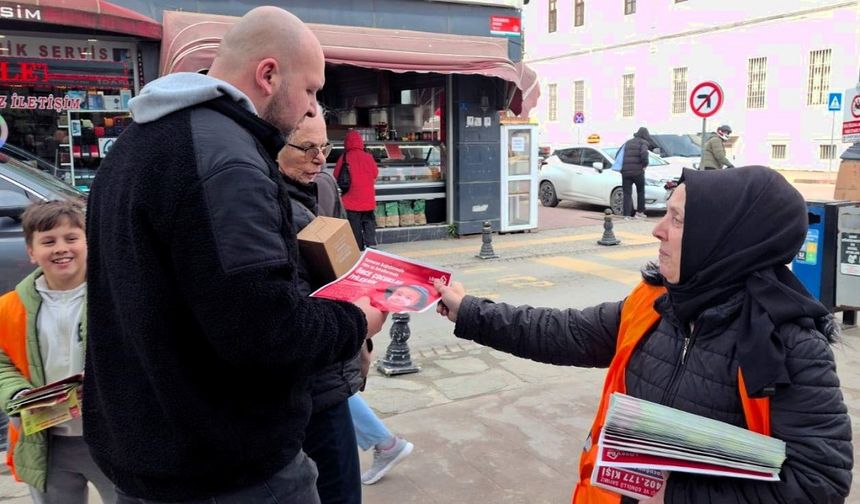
(356, 173)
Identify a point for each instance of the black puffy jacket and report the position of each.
(336, 382)
(810, 415)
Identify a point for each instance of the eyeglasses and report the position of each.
(313, 151)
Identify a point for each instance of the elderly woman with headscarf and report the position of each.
(721, 328)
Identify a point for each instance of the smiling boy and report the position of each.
(55, 296)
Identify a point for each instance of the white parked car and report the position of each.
(584, 174)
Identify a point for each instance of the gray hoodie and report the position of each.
(178, 91)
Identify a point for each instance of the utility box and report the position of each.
(848, 267)
(815, 264)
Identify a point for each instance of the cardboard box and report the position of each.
(848, 181)
(329, 247)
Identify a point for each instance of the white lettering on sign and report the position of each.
(19, 12)
(59, 49)
(49, 102)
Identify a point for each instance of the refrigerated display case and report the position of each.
(519, 177)
(408, 171)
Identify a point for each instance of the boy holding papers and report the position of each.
(44, 317)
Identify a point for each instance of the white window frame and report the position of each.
(628, 108)
(757, 82)
(552, 102)
(819, 76)
(679, 90)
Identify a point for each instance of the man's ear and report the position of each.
(267, 75)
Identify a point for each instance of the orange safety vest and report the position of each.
(13, 341)
(637, 318)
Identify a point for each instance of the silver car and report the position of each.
(584, 174)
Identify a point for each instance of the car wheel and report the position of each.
(547, 194)
(616, 201)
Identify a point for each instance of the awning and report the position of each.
(191, 41)
(94, 14)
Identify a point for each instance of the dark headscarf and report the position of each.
(741, 227)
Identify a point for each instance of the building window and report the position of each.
(819, 77)
(579, 12)
(627, 107)
(778, 151)
(679, 90)
(679, 1)
(579, 96)
(826, 152)
(553, 102)
(629, 7)
(756, 82)
(553, 16)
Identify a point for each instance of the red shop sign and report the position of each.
(19, 73)
(505, 25)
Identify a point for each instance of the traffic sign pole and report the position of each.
(830, 154)
(704, 130)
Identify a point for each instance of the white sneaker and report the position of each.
(384, 460)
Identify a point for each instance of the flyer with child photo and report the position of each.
(393, 283)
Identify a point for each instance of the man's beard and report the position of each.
(271, 114)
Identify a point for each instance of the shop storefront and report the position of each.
(65, 83)
(426, 105)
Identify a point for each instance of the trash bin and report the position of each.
(815, 263)
(848, 267)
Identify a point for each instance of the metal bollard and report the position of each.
(397, 360)
(487, 242)
(608, 236)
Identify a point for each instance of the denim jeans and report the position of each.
(369, 430)
(294, 484)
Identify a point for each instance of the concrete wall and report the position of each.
(714, 40)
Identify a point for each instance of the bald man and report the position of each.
(200, 345)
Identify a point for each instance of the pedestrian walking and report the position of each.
(714, 152)
(360, 199)
(721, 328)
(388, 449)
(45, 317)
(636, 158)
(201, 345)
(329, 437)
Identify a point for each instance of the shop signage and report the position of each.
(593, 138)
(26, 13)
(66, 49)
(49, 102)
(23, 72)
(508, 26)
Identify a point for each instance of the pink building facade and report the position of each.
(628, 63)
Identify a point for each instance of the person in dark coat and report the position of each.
(329, 437)
(729, 304)
(636, 155)
(200, 347)
(360, 199)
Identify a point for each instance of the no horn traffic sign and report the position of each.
(706, 99)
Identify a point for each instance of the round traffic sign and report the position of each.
(855, 106)
(706, 99)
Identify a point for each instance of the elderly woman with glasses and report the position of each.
(330, 437)
(360, 199)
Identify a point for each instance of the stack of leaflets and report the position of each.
(640, 440)
(52, 404)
